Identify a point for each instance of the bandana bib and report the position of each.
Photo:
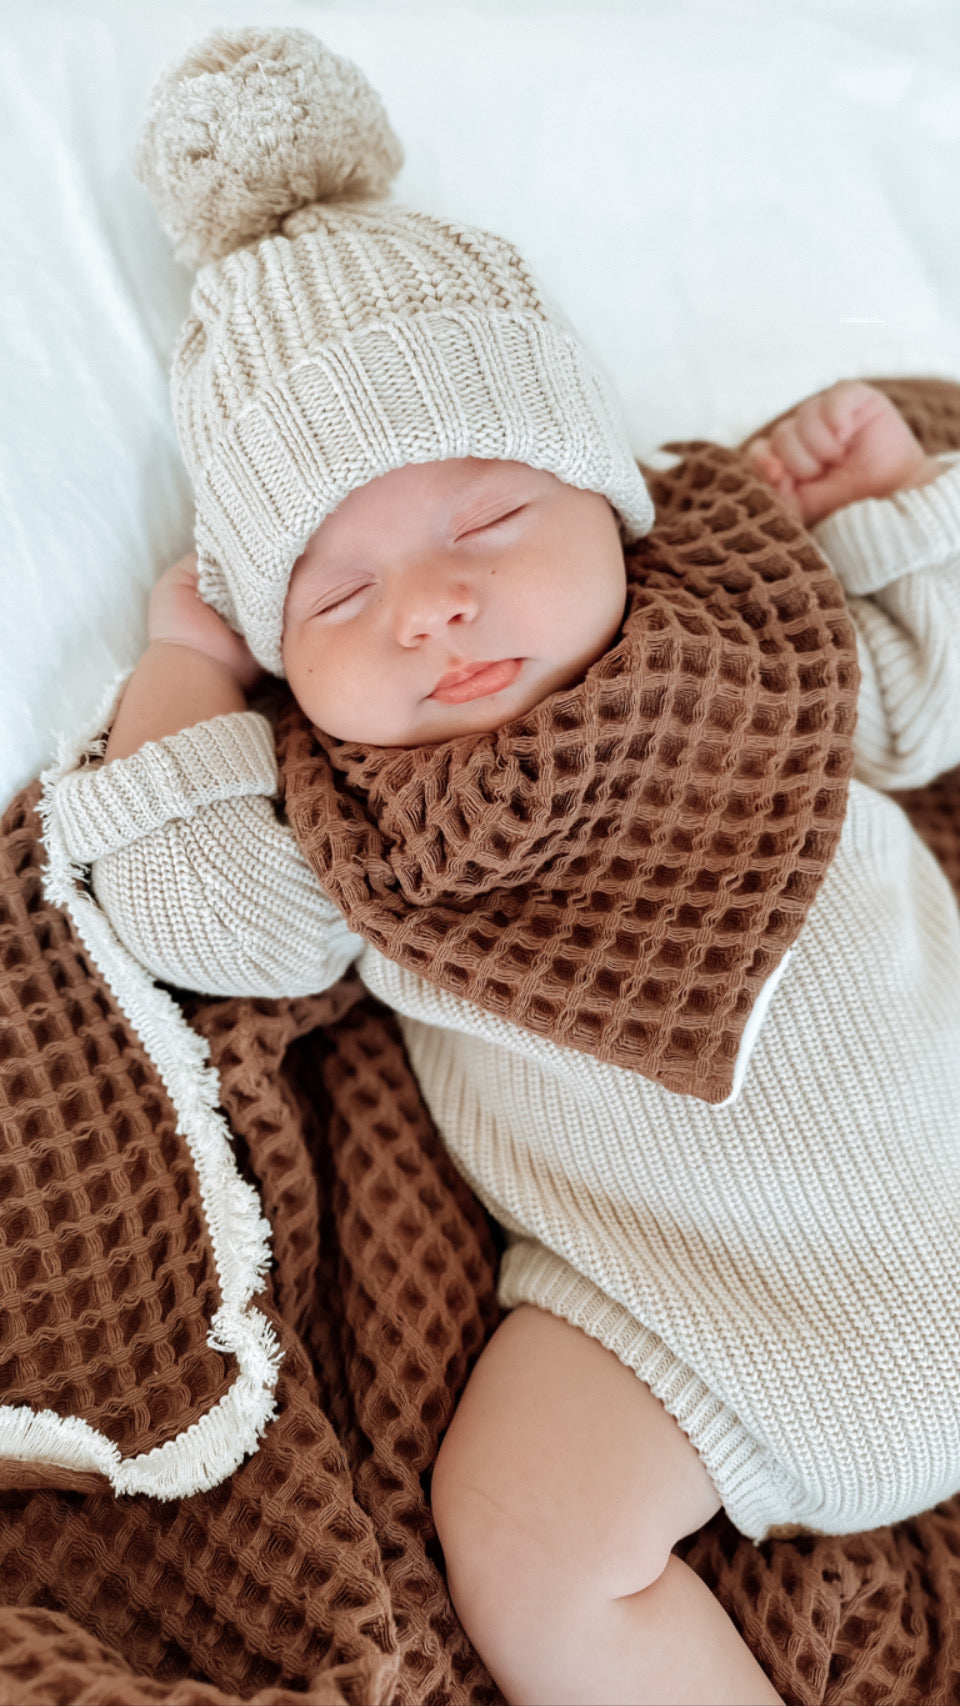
(623, 867)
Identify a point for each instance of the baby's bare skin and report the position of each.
(418, 577)
(560, 1488)
(845, 443)
(839, 446)
(562, 1483)
(447, 598)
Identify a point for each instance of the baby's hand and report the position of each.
(179, 616)
(843, 444)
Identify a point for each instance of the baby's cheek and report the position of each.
(365, 688)
(309, 674)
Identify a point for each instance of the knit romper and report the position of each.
(781, 1268)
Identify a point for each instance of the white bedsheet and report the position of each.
(736, 202)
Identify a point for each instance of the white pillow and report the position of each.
(736, 203)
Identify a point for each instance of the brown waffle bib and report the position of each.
(621, 869)
(311, 1576)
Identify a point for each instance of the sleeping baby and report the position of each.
(707, 1084)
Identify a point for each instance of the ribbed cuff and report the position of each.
(755, 1493)
(104, 808)
(872, 543)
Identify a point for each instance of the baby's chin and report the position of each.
(432, 723)
(432, 730)
(428, 722)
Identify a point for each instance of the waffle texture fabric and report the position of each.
(334, 336)
(776, 1268)
(310, 1574)
(622, 869)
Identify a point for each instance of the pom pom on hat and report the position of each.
(252, 125)
(332, 335)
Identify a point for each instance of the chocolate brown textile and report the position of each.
(621, 868)
(312, 1573)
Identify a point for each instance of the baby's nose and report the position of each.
(432, 602)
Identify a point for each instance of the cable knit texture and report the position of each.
(813, 1252)
(224, 759)
(771, 1267)
(333, 336)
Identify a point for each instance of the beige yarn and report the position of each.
(355, 336)
(781, 1269)
(253, 124)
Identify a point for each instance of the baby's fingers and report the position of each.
(768, 466)
(847, 404)
(805, 443)
(822, 432)
(771, 469)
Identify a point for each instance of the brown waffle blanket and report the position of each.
(312, 1572)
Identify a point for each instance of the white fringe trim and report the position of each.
(208, 1451)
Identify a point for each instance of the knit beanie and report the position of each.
(333, 335)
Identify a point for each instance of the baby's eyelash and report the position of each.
(338, 603)
(347, 597)
(507, 516)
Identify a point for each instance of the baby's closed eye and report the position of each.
(494, 521)
(341, 601)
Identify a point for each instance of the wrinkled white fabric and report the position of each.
(735, 204)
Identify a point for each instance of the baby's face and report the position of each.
(445, 598)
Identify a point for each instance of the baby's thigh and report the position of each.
(560, 1469)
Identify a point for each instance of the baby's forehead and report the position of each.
(454, 474)
(464, 475)
(415, 490)
(469, 470)
(420, 487)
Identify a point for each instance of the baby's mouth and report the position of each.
(476, 681)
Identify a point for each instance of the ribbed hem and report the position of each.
(755, 1492)
(872, 543)
(502, 385)
(102, 809)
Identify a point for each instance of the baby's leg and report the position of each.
(559, 1491)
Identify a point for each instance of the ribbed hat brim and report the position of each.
(422, 387)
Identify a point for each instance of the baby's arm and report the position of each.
(888, 520)
(195, 667)
(201, 880)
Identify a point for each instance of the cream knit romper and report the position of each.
(782, 1269)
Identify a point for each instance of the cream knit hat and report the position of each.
(334, 336)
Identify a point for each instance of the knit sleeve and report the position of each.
(199, 877)
(898, 559)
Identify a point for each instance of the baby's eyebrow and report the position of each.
(310, 569)
(490, 486)
(493, 489)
